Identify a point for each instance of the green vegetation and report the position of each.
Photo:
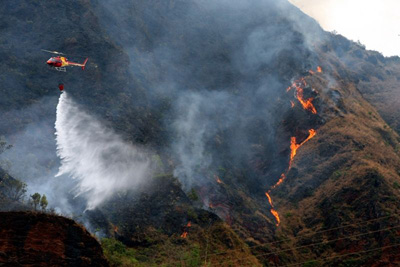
(288, 214)
(337, 174)
(192, 258)
(158, 164)
(43, 202)
(12, 189)
(117, 253)
(396, 185)
(193, 195)
(35, 200)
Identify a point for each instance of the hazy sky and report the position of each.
(375, 23)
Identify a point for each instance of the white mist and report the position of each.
(96, 157)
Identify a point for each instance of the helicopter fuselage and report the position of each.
(60, 62)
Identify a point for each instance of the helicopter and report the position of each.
(60, 63)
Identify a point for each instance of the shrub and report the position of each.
(117, 253)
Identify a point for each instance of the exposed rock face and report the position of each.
(36, 239)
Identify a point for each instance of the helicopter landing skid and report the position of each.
(62, 69)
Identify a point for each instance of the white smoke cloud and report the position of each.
(192, 127)
(100, 161)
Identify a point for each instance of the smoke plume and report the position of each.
(98, 159)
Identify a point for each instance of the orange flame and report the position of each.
(283, 177)
(292, 103)
(217, 179)
(294, 146)
(319, 70)
(184, 234)
(273, 211)
(269, 199)
(307, 104)
(276, 215)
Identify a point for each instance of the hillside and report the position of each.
(36, 239)
(275, 142)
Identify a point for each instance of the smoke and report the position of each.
(212, 73)
(98, 159)
(221, 66)
(194, 127)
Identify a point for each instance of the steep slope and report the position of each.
(164, 226)
(346, 175)
(205, 85)
(28, 26)
(34, 239)
(375, 76)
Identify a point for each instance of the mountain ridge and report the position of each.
(188, 81)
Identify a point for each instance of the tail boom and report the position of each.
(79, 64)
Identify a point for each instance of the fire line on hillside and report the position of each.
(307, 104)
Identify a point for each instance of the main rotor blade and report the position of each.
(53, 52)
(59, 53)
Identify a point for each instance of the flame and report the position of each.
(276, 215)
(217, 179)
(184, 234)
(269, 199)
(283, 177)
(294, 146)
(306, 103)
(273, 211)
(319, 70)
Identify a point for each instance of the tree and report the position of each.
(11, 188)
(35, 199)
(4, 163)
(43, 202)
(16, 189)
(193, 195)
(3, 145)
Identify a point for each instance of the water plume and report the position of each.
(96, 157)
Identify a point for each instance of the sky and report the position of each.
(375, 23)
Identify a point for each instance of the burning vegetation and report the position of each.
(294, 146)
(299, 86)
(186, 229)
(307, 104)
(217, 179)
